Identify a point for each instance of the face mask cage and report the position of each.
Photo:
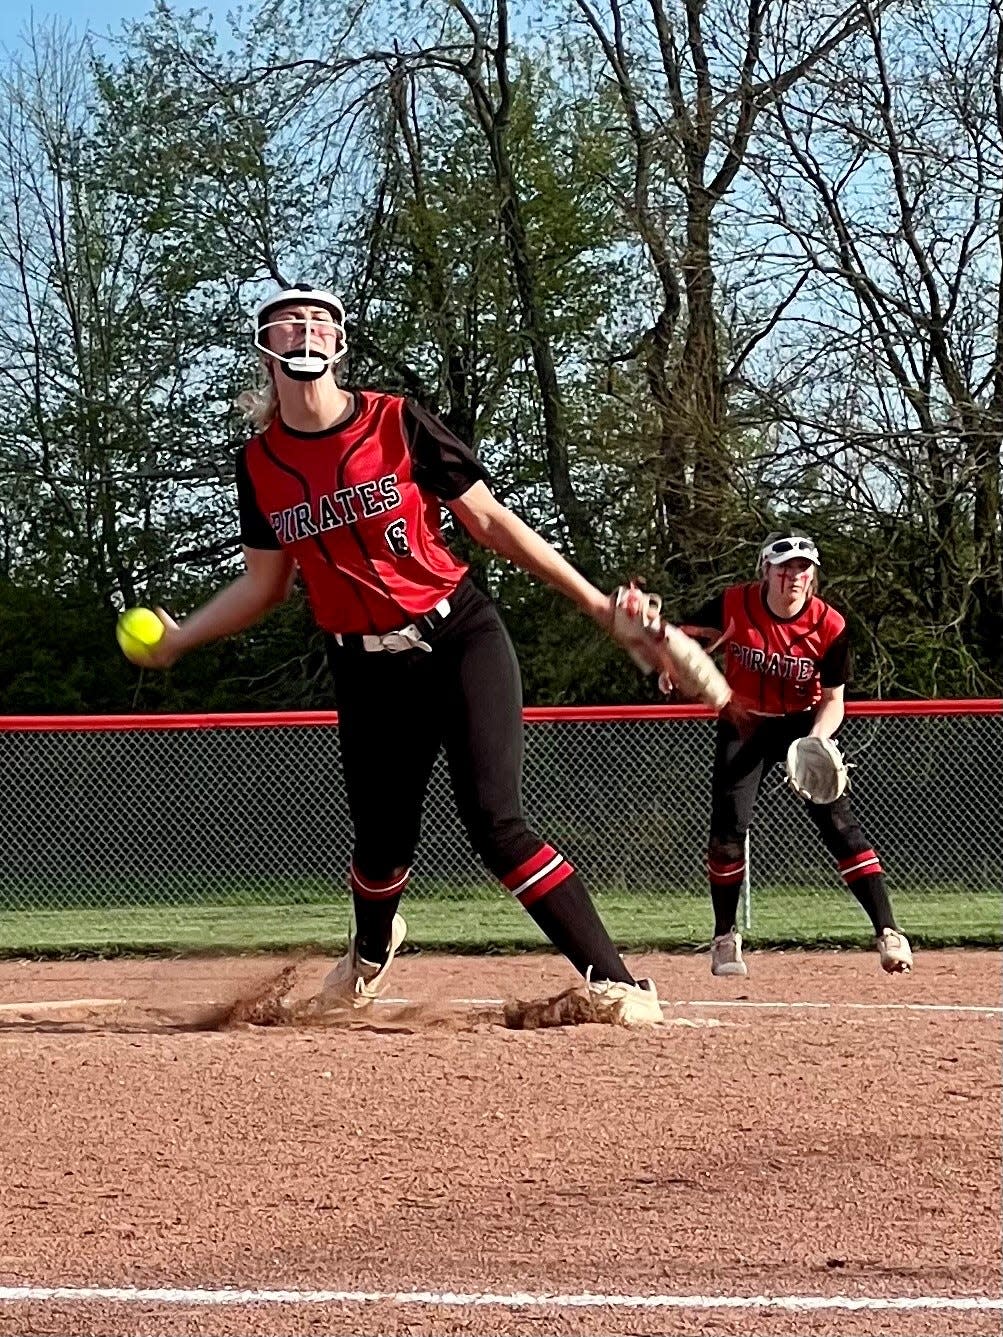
(305, 360)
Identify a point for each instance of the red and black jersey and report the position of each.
(777, 665)
(358, 507)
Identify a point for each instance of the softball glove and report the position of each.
(816, 770)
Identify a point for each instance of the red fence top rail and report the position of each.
(532, 714)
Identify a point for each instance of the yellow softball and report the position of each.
(137, 631)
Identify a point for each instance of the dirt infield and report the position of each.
(814, 1132)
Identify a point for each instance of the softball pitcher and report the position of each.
(345, 487)
(787, 660)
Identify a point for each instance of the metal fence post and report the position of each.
(746, 890)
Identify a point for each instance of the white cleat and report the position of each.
(895, 952)
(355, 982)
(726, 956)
(626, 1004)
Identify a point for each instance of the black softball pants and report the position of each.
(742, 761)
(397, 710)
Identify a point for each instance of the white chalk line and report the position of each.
(751, 1005)
(170, 1295)
(25, 1010)
(974, 1008)
(47, 1005)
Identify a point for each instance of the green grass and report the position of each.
(488, 921)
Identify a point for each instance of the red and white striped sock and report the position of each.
(864, 876)
(375, 902)
(558, 902)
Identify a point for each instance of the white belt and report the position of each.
(407, 638)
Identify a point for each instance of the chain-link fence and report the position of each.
(164, 834)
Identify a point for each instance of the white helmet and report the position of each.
(303, 363)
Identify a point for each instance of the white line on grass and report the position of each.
(169, 1295)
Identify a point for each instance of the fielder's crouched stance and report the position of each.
(787, 663)
(345, 487)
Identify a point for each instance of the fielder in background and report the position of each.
(345, 486)
(787, 662)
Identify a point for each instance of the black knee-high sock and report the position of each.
(725, 902)
(726, 873)
(373, 922)
(873, 897)
(570, 920)
(375, 902)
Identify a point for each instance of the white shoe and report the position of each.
(355, 982)
(626, 1004)
(726, 955)
(895, 952)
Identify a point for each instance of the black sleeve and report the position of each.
(255, 531)
(442, 464)
(835, 668)
(710, 614)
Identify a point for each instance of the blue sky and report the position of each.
(96, 16)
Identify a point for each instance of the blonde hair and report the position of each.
(259, 403)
